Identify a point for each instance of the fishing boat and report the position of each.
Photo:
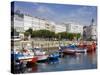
(91, 47)
(23, 56)
(80, 50)
(53, 58)
(72, 49)
(40, 54)
(68, 51)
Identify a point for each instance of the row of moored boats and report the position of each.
(39, 55)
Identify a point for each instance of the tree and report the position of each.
(27, 34)
(78, 35)
(61, 35)
(29, 31)
(43, 34)
(50, 34)
(34, 34)
(70, 36)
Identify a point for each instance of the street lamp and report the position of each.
(59, 39)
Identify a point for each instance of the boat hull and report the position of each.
(42, 58)
(74, 51)
(69, 52)
(53, 59)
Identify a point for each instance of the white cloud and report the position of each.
(44, 10)
(81, 15)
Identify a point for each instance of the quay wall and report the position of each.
(45, 44)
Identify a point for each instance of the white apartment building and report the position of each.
(23, 23)
(27, 22)
(60, 28)
(49, 25)
(17, 22)
(39, 24)
(74, 28)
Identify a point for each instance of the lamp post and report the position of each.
(59, 39)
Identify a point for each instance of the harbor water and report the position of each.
(79, 61)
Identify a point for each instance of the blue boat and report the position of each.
(54, 57)
(22, 56)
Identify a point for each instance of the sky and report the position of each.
(59, 13)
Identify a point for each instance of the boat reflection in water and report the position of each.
(28, 69)
(69, 62)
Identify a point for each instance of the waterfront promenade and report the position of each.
(47, 45)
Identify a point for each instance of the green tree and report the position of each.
(34, 34)
(29, 31)
(70, 36)
(27, 34)
(61, 35)
(78, 35)
(43, 34)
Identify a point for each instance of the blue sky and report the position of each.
(59, 12)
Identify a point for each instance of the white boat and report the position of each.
(80, 50)
(40, 54)
(74, 51)
(42, 57)
(26, 55)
